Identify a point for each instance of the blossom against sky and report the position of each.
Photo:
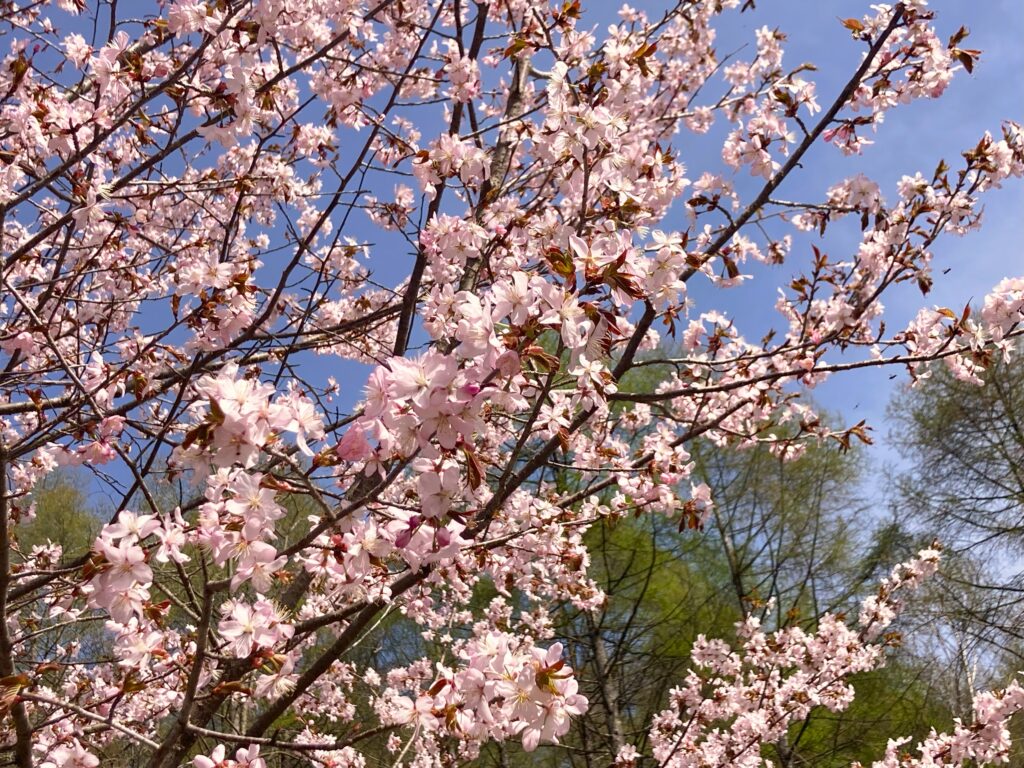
(913, 138)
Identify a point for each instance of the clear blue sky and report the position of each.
(912, 138)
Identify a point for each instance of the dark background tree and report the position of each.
(963, 481)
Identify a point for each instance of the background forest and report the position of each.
(787, 539)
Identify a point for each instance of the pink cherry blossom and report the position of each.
(352, 310)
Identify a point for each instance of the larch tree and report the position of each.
(963, 480)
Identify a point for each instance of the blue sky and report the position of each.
(913, 137)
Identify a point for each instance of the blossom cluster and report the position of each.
(503, 687)
(735, 700)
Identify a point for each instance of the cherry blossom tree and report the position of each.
(204, 211)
